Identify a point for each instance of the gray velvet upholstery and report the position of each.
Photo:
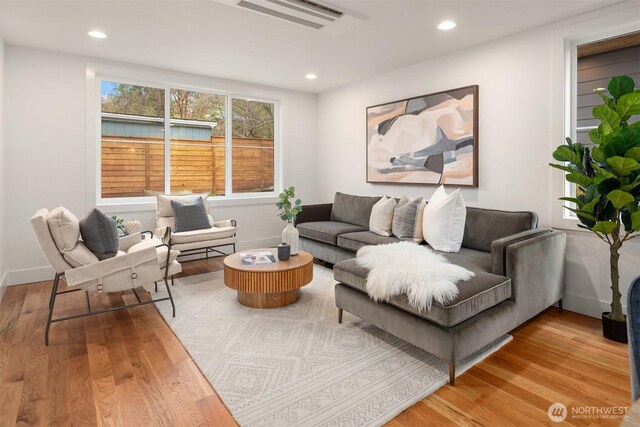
(483, 226)
(536, 267)
(519, 273)
(475, 295)
(452, 344)
(633, 333)
(499, 247)
(358, 239)
(326, 231)
(325, 251)
(352, 209)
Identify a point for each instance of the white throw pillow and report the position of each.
(443, 222)
(381, 217)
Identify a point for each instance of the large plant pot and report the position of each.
(614, 330)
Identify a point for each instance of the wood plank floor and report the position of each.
(127, 368)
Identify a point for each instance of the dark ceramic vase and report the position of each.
(284, 252)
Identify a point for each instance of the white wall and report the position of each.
(46, 149)
(521, 86)
(2, 168)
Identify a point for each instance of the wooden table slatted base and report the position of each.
(268, 286)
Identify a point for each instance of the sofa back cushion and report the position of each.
(354, 210)
(483, 226)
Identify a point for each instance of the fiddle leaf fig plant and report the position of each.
(607, 176)
(286, 210)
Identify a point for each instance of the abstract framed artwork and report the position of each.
(429, 139)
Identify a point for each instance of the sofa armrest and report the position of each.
(536, 267)
(499, 247)
(312, 213)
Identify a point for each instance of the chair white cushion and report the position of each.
(161, 251)
(444, 219)
(163, 206)
(48, 246)
(64, 228)
(80, 255)
(213, 233)
(381, 218)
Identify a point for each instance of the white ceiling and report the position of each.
(210, 38)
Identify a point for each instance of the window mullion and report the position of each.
(167, 140)
(228, 138)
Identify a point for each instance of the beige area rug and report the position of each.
(296, 366)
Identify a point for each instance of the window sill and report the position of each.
(145, 206)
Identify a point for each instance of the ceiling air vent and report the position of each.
(303, 12)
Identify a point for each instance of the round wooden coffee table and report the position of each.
(268, 286)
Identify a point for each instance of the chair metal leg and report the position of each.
(452, 373)
(172, 284)
(234, 248)
(170, 296)
(560, 308)
(156, 285)
(339, 315)
(206, 253)
(52, 303)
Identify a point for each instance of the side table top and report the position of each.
(296, 261)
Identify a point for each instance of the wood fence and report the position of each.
(134, 166)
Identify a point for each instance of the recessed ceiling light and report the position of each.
(310, 76)
(446, 25)
(97, 34)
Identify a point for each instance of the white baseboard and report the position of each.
(39, 274)
(28, 275)
(588, 306)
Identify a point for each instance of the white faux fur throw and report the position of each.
(408, 268)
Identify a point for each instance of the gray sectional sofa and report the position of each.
(519, 272)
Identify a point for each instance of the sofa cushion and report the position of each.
(80, 255)
(471, 259)
(483, 291)
(354, 210)
(483, 226)
(326, 231)
(358, 239)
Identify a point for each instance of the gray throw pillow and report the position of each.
(100, 234)
(190, 216)
(404, 218)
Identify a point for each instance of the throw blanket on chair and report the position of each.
(407, 268)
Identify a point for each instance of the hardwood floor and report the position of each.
(127, 368)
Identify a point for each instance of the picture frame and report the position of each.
(429, 139)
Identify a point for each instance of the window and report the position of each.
(156, 139)
(596, 63)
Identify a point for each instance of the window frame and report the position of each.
(564, 94)
(97, 73)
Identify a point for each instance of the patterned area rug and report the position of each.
(296, 366)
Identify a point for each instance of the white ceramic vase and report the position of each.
(290, 237)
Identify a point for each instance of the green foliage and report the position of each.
(608, 176)
(288, 211)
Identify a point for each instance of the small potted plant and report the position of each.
(607, 179)
(288, 212)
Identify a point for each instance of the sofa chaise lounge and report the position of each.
(519, 272)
